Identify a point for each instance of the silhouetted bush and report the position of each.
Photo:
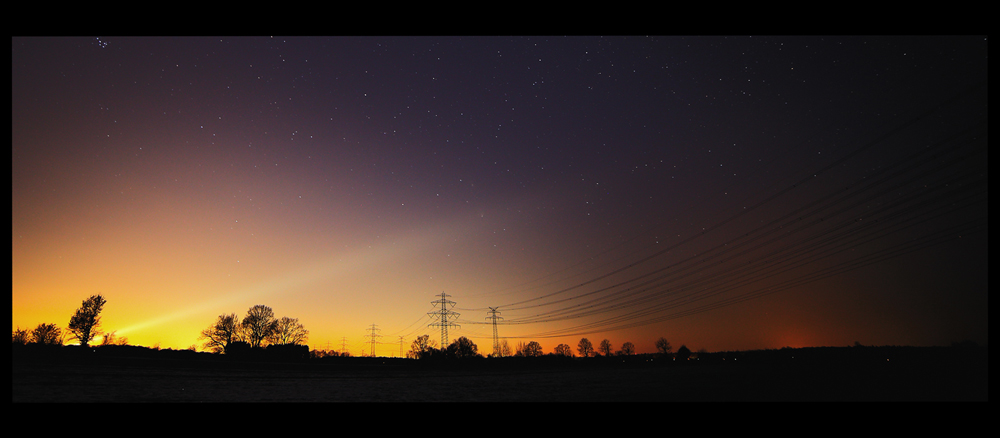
(683, 353)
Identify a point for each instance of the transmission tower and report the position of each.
(496, 342)
(374, 335)
(343, 345)
(401, 347)
(443, 316)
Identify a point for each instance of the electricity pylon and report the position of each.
(443, 316)
(374, 337)
(496, 342)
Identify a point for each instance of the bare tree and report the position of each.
(288, 331)
(505, 350)
(605, 347)
(531, 349)
(585, 348)
(224, 331)
(663, 346)
(564, 350)
(628, 349)
(47, 334)
(111, 338)
(86, 322)
(422, 347)
(259, 324)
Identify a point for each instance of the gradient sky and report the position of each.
(727, 193)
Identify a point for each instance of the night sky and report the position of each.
(727, 193)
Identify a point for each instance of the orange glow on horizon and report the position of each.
(185, 178)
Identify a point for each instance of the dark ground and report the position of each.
(814, 374)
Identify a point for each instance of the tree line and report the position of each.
(84, 326)
(258, 329)
(423, 347)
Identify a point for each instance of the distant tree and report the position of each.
(259, 324)
(462, 348)
(20, 336)
(505, 350)
(422, 347)
(288, 331)
(628, 349)
(605, 347)
(683, 353)
(585, 348)
(86, 322)
(328, 353)
(564, 350)
(531, 349)
(663, 346)
(519, 349)
(47, 334)
(111, 338)
(222, 333)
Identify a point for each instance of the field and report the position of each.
(841, 374)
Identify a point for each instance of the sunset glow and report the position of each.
(725, 193)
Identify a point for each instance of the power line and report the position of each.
(444, 315)
(374, 338)
(496, 342)
(905, 194)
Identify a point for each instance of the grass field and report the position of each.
(919, 375)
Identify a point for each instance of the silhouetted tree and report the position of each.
(422, 347)
(505, 350)
(564, 350)
(605, 347)
(20, 336)
(111, 338)
(628, 349)
(288, 331)
(585, 348)
(328, 353)
(531, 349)
(683, 353)
(663, 346)
(222, 333)
(47, 334)
(85, 323)
(259, 324)
(462, 348)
